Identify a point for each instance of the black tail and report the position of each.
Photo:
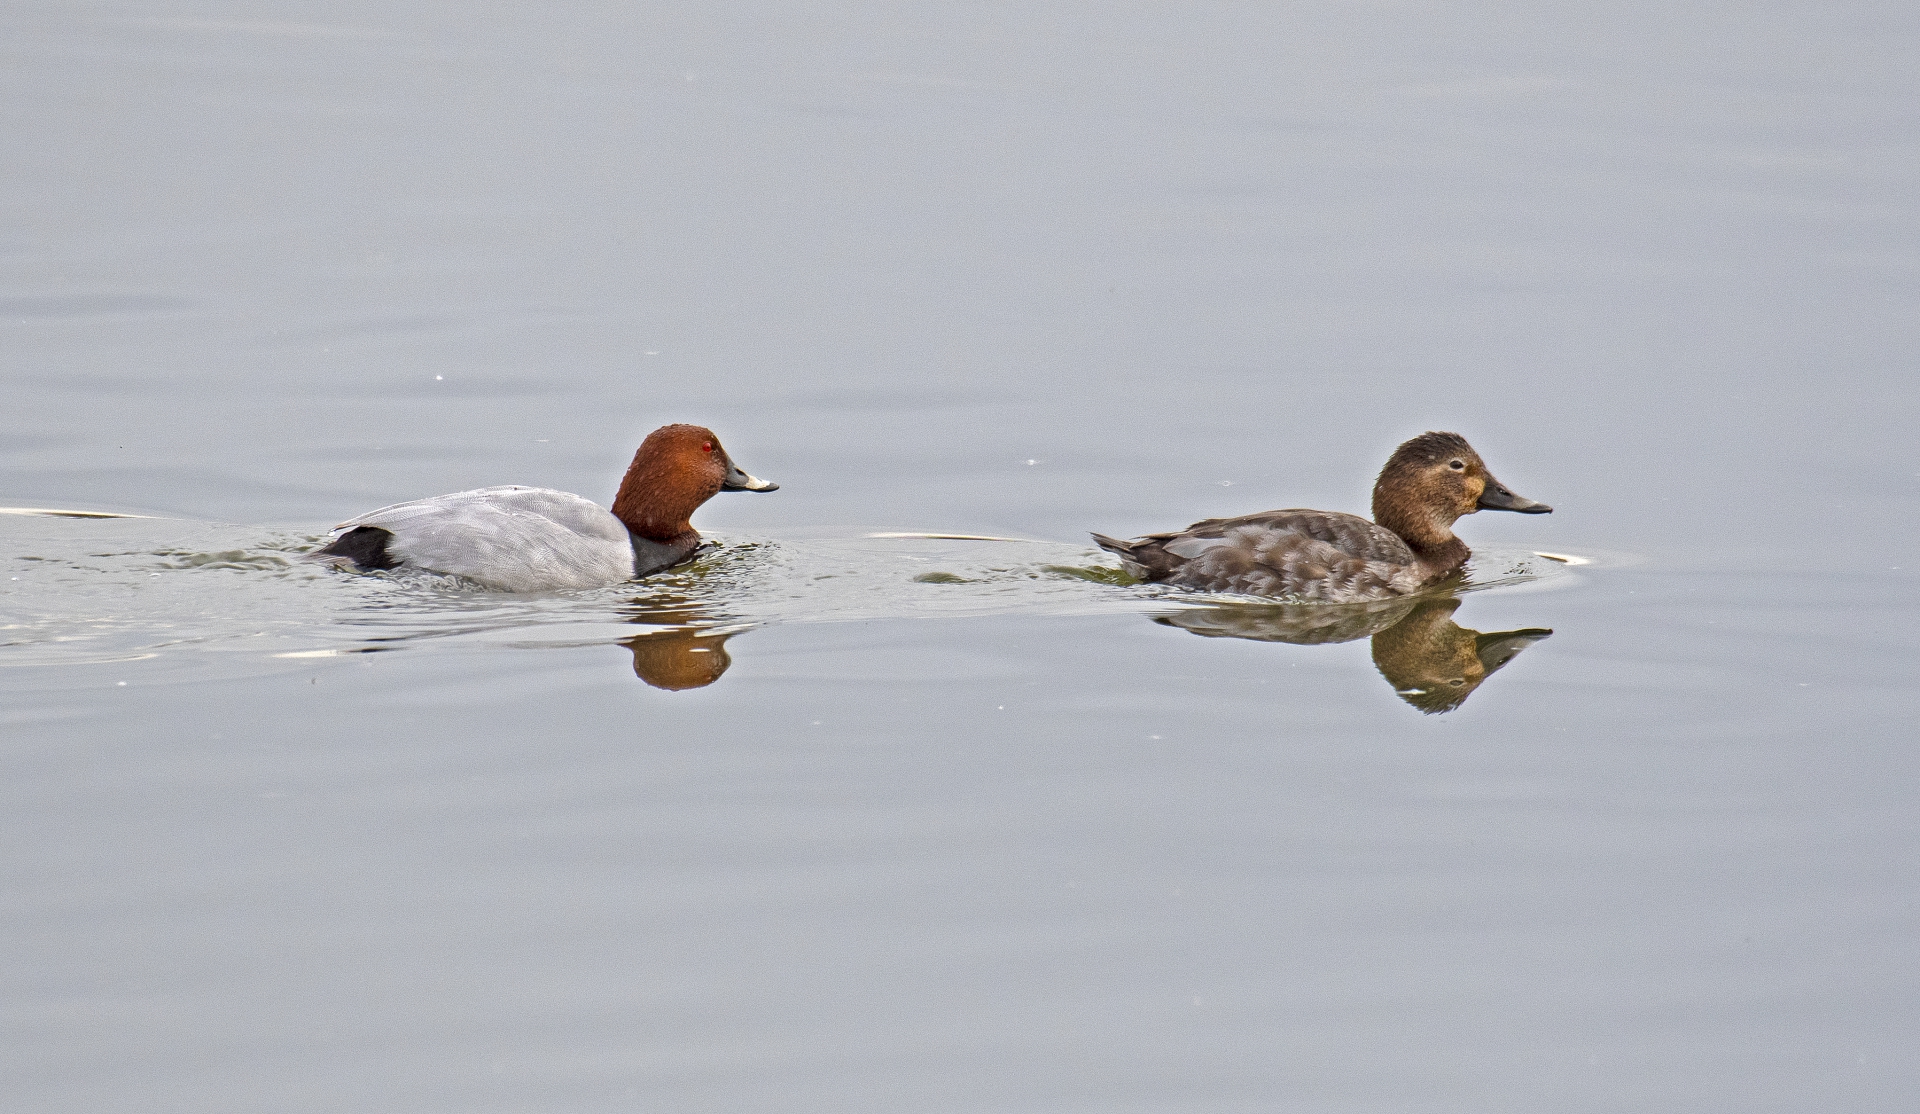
(1114, 545)
(365, 546)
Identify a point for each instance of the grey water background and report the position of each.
(999, 843)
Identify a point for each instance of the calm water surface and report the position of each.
(830, 821)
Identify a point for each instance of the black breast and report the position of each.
(650, 556)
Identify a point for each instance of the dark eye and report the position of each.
(707, 448)
(1457, 465)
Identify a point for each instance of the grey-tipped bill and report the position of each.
(738, 480)
(1500, 647)
(1498, 497)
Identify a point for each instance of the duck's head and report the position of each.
(677, 468)
(1434, 479)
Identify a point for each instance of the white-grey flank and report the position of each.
(516, 538)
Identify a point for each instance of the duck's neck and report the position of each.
(1430, 537)
(1441, 559)
(653, 506)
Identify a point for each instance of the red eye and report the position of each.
(707, 448)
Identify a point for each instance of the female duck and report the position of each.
(1329, 557)
(525, 539)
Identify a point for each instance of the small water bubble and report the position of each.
(120, 684)
(437, 378)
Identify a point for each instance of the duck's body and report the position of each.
(1329, 557)
(1312, 556)
(523, 539)
(519, 539)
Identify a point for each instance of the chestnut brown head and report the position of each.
(1434, 479)
(677, 468)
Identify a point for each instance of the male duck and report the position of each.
(526, 539)
(1329, 557)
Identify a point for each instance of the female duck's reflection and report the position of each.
(1432, 662)
(686, 650)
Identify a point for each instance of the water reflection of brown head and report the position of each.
(678, 658)
(1435, 663)
(1432, 662)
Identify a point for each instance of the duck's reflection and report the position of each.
(680, 658)
(685, 650)
(1432, 662)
